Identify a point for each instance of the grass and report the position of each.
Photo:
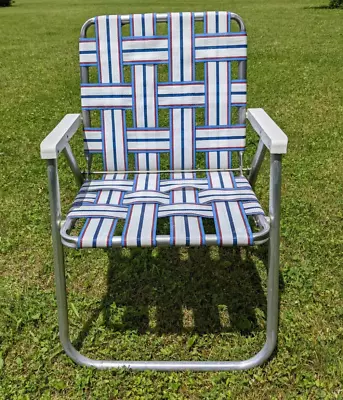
(193, 304)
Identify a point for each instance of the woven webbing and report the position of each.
(142, 93)
(186, 200)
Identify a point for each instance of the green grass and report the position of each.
(190, 304)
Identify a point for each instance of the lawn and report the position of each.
(180, 304)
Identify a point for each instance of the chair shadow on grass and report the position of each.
(180, 290)
(322, 7)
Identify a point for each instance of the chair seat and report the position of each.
(196, 209)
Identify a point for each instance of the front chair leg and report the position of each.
(274, 251)
(59, 269)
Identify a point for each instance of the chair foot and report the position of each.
(254, 361)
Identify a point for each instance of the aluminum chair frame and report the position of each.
(272, 138)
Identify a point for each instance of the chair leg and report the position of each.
(59, 270)
(272, 288)
(273, 257)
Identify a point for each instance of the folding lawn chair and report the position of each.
(201, 65)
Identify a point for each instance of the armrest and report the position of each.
(59, 137)
(271, 135)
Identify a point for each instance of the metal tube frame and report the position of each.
(259, 237)
(257, 163)
(273, 260)
(73, 164)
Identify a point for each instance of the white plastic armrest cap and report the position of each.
(58, 138)
(272, 136)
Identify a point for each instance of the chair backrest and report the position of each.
(204, 91)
